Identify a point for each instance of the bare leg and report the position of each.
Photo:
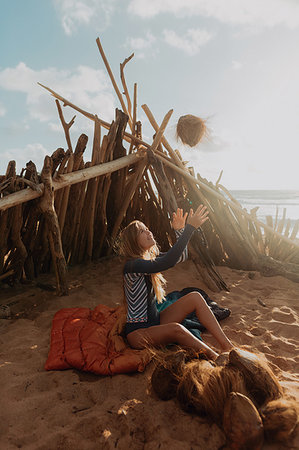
(167, 334)
(195, 302)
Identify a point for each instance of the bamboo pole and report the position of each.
(229, 202)
(69, 179)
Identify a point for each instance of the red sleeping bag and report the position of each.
(89, 340)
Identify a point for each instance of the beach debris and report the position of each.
(191, 129)
(259, 378)
(280, 418)
(5, 312)
(242, 423)
(260, 301)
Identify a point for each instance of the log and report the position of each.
(47, 207)
(270, 267)
(69, 179)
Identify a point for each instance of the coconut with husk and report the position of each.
(191, 129)
(242, 423)
(204, 388)
(280, 418)
(169, 369)
(260, 381)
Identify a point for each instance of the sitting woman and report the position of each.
(143, 285)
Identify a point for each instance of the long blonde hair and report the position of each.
(129, 247)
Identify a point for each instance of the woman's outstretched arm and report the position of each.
(170, 258)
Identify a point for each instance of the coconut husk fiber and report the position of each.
(191, 129)
(280, 418)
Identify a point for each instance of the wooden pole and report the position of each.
(164, 141)
(69, 179)
(127, 136)
(229, 202)
(120, 97)
(47, 207)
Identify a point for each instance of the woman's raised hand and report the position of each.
(197, 218)
(178, 219)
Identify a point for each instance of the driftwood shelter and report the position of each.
(73, 211)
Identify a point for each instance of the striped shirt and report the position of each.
(138, 288)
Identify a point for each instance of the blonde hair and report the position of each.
(129, 248)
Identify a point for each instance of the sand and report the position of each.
(75, 410)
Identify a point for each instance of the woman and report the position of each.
(143, 285)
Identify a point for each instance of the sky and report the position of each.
(234, 63)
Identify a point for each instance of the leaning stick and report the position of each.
(230, 203)
(129, 195)
(68, 179)
(164, 141)
(160, 131)
(134, 116)
(123, 80)
(66, 126)
(127, 136)
(113, 80)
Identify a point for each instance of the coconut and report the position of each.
(169, 368)
(280, 418)
(242, 423)
(260, 381)
(191, 129)
(191, 385)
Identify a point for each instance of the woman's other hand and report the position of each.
(178, 219)
(197, 218)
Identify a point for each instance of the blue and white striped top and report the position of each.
(138, 288)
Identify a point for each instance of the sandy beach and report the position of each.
(70, 409)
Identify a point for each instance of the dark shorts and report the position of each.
(132, 326)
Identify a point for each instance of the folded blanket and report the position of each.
(90, 340)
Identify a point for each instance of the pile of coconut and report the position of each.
(238, 391)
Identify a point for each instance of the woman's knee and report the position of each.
(175, 330)
(195, 298)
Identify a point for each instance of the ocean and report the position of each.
(270, 201)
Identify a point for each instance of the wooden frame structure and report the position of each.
(73, 211)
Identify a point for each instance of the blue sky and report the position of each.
(235, 64)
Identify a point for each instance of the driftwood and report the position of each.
(46, 205)
(95, 199)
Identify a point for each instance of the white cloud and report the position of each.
(140, 44)
(75, 13)
(190, 43)
(2, 110)
(84, 86)
(35, 152)
(266, 13)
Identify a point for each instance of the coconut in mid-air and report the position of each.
(191, 129)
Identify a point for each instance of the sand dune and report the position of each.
(75, 410)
